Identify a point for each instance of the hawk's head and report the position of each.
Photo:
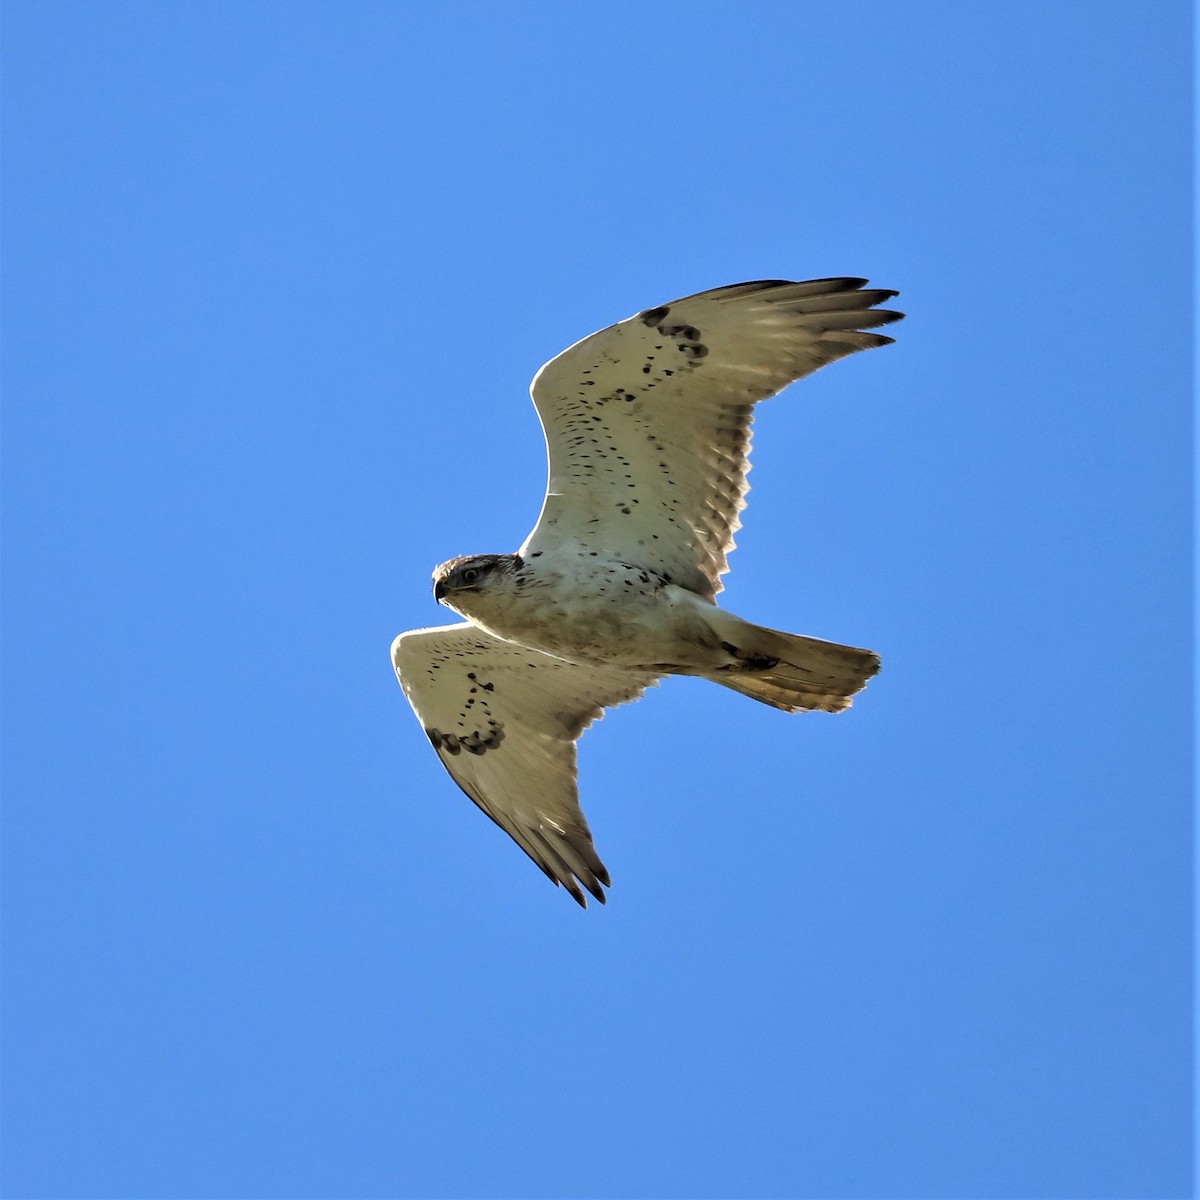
(472, 573)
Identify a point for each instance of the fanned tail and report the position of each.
(795, 673)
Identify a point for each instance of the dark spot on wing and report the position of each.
(475, 742)
(654, 316)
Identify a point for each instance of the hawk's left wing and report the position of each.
(504, 720)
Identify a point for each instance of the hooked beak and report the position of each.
(439, 590)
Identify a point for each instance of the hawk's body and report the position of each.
(647, 425)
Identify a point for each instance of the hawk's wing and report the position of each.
(503, 720)
(647, 422)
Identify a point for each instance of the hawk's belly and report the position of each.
(611, 613)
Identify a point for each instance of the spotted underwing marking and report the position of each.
(654, 316)
(688, 332)
(475, 742)
(687, 339)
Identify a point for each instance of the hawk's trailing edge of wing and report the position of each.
(504, 720)
(648, 421)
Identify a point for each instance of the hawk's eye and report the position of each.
(471, 575)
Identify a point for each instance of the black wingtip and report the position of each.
(576, 892)
(874, 340)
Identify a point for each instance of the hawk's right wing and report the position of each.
(647, 422)
(504, 720)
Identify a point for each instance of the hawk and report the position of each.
(647, 427)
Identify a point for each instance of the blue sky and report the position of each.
(276, 278)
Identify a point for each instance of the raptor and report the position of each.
(647, 428)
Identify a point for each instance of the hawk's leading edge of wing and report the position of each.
(504, 720)
(647, 422)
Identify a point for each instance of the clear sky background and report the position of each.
(277, 277)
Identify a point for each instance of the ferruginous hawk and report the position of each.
(647, 425)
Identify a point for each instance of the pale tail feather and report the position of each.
(806, 674)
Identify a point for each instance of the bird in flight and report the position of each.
(647, 428)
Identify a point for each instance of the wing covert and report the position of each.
(647, 422)
(504, 720)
